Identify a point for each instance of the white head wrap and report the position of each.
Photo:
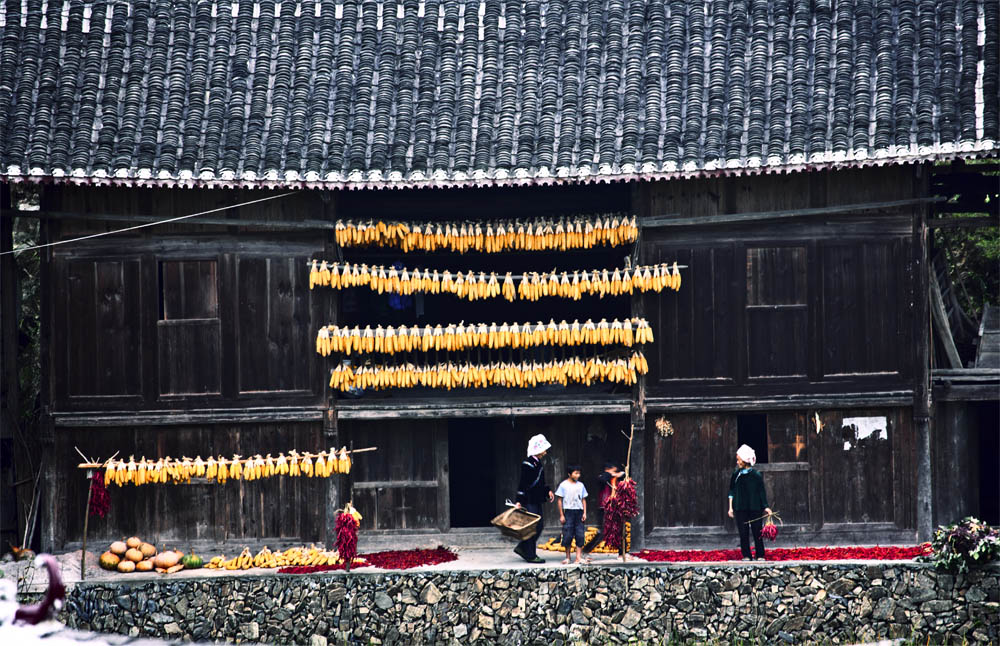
(537, 444)
(747, 454)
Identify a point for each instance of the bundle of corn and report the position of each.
(491, 237)
(390, 340)
(265, 558)
(554, 544)
(222, 469)
(509, 375)
(473, 286)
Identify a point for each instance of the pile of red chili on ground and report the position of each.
(391, 560)
(790, 554)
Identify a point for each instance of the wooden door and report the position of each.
(402, 485)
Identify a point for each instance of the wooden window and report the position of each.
(777, 311)
(189, 330)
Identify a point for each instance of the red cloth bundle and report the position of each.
(622, 505)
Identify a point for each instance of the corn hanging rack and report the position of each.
(460, 336)
(478, 286)
(221, 469)
(523, 374)
(545, 234)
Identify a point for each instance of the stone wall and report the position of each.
(645, 604)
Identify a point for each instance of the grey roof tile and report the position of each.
(441, 92)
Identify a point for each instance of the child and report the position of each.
(611, 474)
(748, 501)
(572, 502)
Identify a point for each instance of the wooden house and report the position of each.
(780, 152)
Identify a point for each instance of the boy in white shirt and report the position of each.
(571, 498)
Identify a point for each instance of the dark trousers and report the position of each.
(742, 518)
(528, 547)
(592, 543)
(573, 528)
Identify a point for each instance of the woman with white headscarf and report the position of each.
(532, 493)
(748, 501)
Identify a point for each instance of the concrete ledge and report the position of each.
(777, 602)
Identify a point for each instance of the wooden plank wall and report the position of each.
(836, 475)
(288, 509)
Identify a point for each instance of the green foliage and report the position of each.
(965, 544)
(28, 319)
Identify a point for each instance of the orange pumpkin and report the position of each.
(118, 548)
(147, 550)
(126, 566)
(166, 559)
(144, 566)
(134, 555)
(133, 542)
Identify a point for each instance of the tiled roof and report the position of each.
(379, 93)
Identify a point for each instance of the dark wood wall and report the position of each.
(838, 474)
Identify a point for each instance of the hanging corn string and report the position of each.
(524, 374)
(459, 336)
(473, 286)
(221, 469)
(543, 234)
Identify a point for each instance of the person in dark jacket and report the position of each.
(532, 493)
(748, 502)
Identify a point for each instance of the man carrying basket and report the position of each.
(532, 493)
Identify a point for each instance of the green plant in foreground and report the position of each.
(965, 544)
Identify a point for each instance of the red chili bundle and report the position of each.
(770, 530)
(100, 501)
(790, 554)
(346, 541)
(620, 507)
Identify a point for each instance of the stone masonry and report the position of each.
(664, 604)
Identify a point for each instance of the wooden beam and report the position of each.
(941, 324)
(782, 402)
(386, 484)
(963, 223)
(290, 225)
(736, 218)
(415, 409)
(91, 419)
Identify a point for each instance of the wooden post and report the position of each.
(637, 421)
(86, 521)
(330, 437)
(922, 369)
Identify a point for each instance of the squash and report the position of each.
(147, 550)
(118, 548)
(133, 542)
(166, 559)
(134, 555)
(109, 561)
(192, 561)
(126, 566)
(144, 566)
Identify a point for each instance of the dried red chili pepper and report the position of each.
(620, 507)
(390, 560)
(100, 501)
(346, 540)
(789, 554)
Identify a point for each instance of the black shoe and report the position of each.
(537, 559)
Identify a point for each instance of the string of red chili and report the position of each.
(100, 501)
(789, 554)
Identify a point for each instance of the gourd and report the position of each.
(134, 555)
(126, 566)
(166, 559)
(192, 561)
(109, 560)
(144, 566)
(147, 550)
(118, 548)
(133, 542)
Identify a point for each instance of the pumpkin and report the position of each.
(126, 566)
(133, 555)
(147, 550)
(118, 548)
(109, 561)
(192, 561)
(166, 559)
(133, 542)
(144, 566)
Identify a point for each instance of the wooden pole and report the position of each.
(86, 521)
(922, 369)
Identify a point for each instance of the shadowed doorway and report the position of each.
(472, 471)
